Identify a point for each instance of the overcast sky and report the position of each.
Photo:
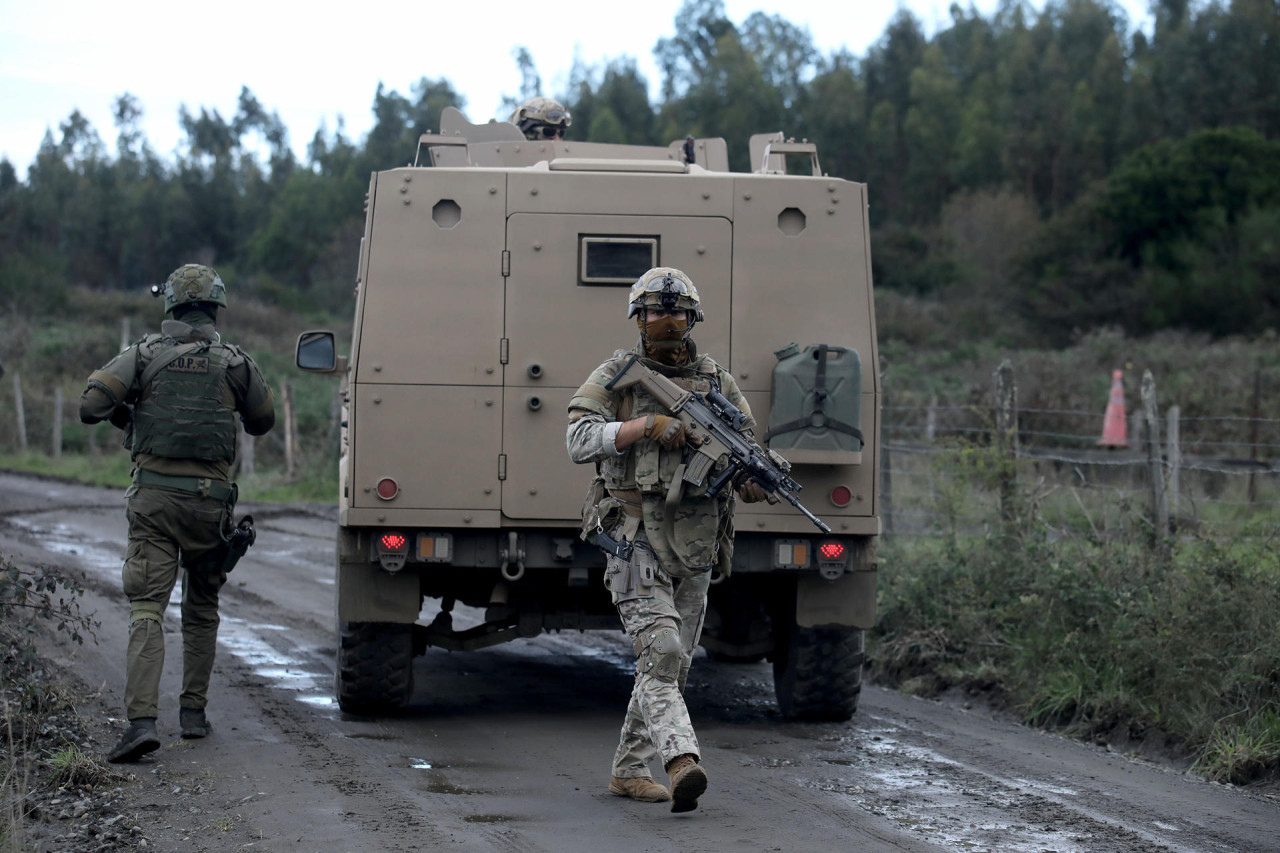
(313, 63)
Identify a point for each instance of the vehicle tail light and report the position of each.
(391, 549)
(435, 547)
(841, 495)
(387, 488)
(833, 558)
(791, 554)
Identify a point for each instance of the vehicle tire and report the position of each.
(818, 675)
(375, 667)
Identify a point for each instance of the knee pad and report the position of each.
(659, 652)
(139, 610)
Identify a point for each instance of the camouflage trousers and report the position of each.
(165, 527)
(657, 721)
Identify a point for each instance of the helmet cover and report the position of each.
(665, 287)
(192, 283)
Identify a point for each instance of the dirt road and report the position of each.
(508, 748)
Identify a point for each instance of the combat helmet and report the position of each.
(667, 287)
(192, 283)
(541, 118)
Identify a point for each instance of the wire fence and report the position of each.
(949, 467)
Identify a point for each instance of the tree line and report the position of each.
(1052, 166)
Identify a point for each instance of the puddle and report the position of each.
(240, 638)
(419, 764)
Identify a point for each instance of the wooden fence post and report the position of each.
(56, 443)
(1174, 452)
(1155, 465)
(19, 413)
(245, 452)
(1007, 436)
(290, 431)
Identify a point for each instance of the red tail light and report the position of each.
(831, 551)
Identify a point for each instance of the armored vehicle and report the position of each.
(493, 277)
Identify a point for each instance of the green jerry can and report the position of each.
(816, 400)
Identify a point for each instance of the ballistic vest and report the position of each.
(698, 532)
(188, 411)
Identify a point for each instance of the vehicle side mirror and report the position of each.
(317, 352)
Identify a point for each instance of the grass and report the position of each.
(319, 484)
(1090, 630)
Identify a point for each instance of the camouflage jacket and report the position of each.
(701, 532)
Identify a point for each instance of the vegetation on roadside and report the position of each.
(29, 696)
(1097, 634)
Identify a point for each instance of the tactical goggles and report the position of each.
(558, 116)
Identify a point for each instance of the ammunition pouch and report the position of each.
(635, 577)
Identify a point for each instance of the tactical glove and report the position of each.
(751, 491)
(666, 430)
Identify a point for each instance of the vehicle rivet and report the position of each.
(367, 490)
(377, 401)
(404, 190)
(702, 250)
(533, 191)
(408, 201)
(830, 211)
(493, 190)
(537, 247)
(377, 368)
(835, 199)
(743, 374)
(408, 178)
(831, 188)
(533, 491)
(759, 524)
(488, 491)
(466, 519)
(747, 196)
(706, 195)
(488, 402)
(488, 370)
(382, 518)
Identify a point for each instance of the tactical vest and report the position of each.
(697, 532)
(188, 411)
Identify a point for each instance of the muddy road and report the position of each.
(508, 748)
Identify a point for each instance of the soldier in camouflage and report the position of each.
(661, 589)
(181, 396)
(541, 118)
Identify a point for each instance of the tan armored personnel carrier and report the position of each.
(493, 277)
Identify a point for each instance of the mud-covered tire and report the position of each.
(819, 674)
(375, 667)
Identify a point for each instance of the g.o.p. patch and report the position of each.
(190, 364)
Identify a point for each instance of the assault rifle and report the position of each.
(714, 425)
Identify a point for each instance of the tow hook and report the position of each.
(510, 553)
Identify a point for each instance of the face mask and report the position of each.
(664, 338)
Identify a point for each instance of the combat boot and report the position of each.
(641, 788)
(688, 781)
(139, 739)
(193, 722)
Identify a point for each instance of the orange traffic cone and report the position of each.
(1113, 422)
